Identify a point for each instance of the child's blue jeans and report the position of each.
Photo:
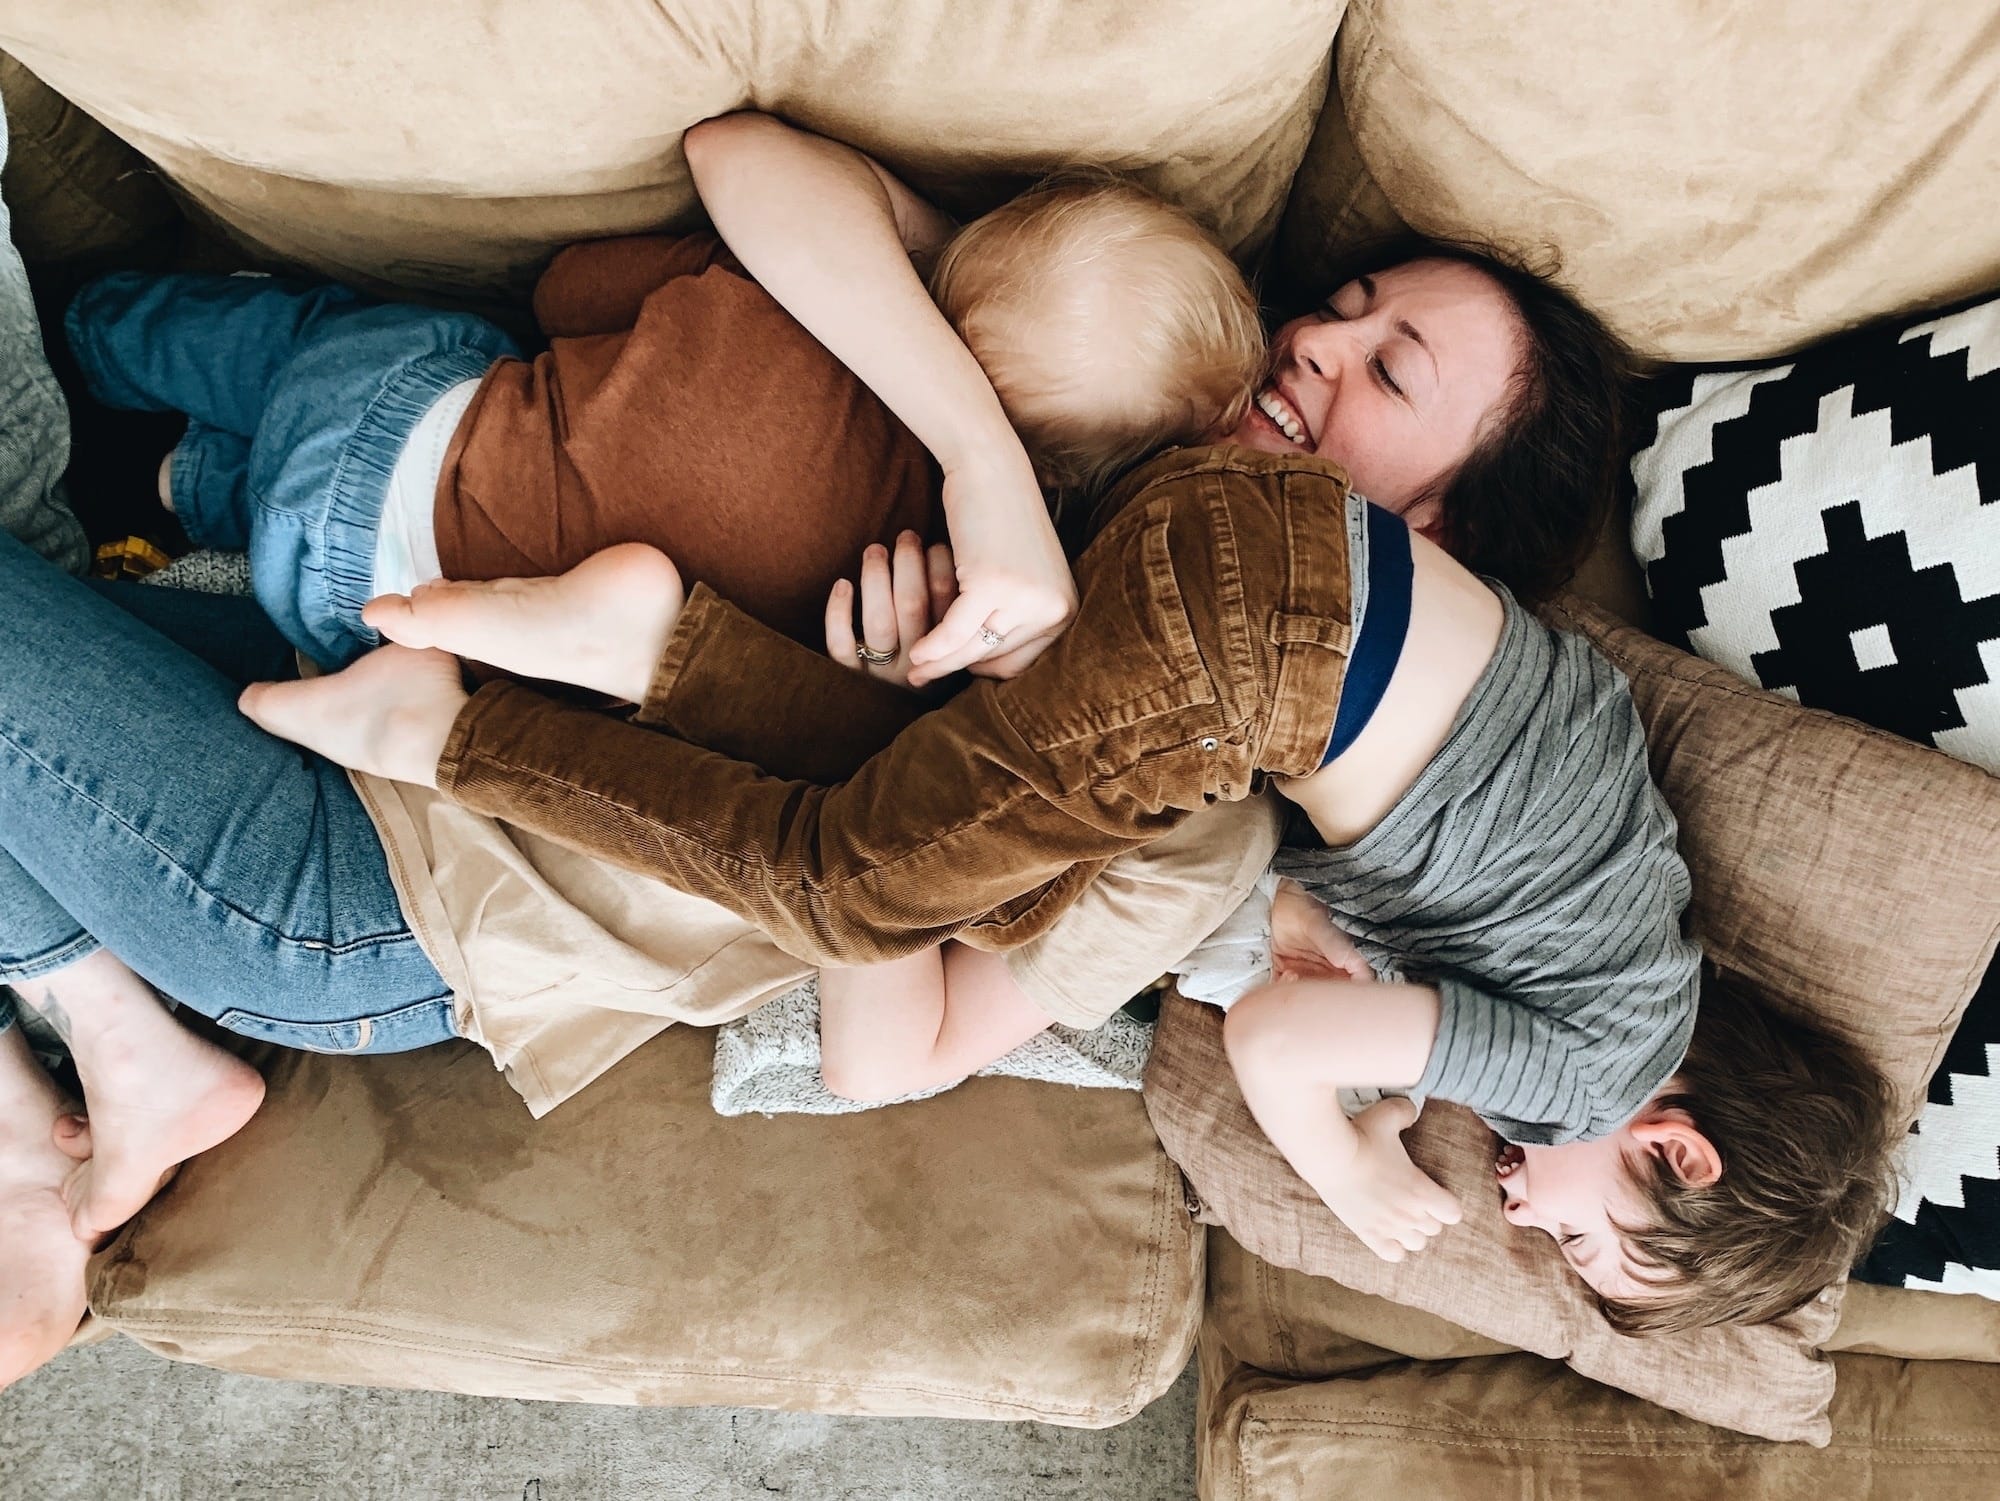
(299, 400)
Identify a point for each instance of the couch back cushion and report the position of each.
(1836, 869)
(452, 148)
(1720, 182)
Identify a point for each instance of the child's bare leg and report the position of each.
(156, 1093)
(42, 1293)
(601, 626)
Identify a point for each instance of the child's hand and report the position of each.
(1382, 1196)
(1015, 592)
(901, 597)
(1306, 944)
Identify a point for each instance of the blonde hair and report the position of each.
(1110, 323)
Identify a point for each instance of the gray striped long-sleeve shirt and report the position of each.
(1531, 875)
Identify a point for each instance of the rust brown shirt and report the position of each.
(675, 400)
(1209, 645)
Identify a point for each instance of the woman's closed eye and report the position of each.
(1383, 377)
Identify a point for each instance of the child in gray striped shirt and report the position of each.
(1528, 887)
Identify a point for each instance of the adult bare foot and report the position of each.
(389, 714)
(156, 1093)
(600, 626)
(41, 1296)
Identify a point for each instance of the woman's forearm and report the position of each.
(829, 234)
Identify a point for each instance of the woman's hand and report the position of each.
(902, 596)
(1306, 944)
(1015, 591)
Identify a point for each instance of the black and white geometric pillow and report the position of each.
(1829, 528)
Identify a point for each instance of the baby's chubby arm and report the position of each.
(1292, 1044)
(918, 1023)
(830, 235)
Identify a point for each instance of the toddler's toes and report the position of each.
(397, 620)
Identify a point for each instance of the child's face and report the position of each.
(1579, 1194)
(1394, 379)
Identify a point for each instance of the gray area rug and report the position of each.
(114, 1421)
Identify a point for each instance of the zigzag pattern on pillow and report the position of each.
(1829, 528)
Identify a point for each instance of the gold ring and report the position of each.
(873, 657)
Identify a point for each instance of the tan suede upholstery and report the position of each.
(1007, 1250)
(454, 151)
(1514, 1425)
(1721, 182)
(1313, 1392)
(77, 192)
(1724, 181)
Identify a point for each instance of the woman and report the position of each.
(278, 857)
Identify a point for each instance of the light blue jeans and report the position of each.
(299, 400)
(141, 812)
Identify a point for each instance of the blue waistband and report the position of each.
(1385, 624)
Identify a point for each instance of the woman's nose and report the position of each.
(1324, 349)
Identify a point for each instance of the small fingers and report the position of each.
(1013, 661)
(953, 643)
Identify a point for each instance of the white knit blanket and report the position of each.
(768, 1062)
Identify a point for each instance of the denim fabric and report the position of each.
(140, 810)
(299, 400)
(34, 423)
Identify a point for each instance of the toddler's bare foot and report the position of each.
(42, 1295)
(600, 626)
(167, 482)
(156, 1093)
(389, 714)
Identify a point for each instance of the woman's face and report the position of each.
(1394, 378)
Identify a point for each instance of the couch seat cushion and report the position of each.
(1007, 1250)
(1515, 1425)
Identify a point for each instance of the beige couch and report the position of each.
(1721, 181)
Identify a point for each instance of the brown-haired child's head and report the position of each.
(1752, 1179)
(1108, 321)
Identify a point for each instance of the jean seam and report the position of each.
(7, 735)
(14, 971)
(183, 487)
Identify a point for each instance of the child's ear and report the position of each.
(1675, 1139)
